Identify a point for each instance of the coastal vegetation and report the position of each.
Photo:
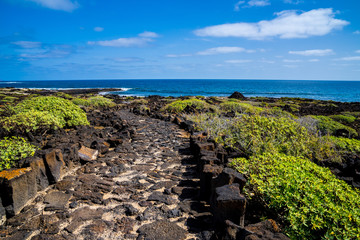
(309, 198)
(13, 149)
(280, 159)
(42, 113)
(180, 105)
(283, 148)
(94, 102)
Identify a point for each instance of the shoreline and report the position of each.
(108, 92)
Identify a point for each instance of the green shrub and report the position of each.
(179, 105)
(64, 95)
(259, 134)
(346, 145)
(9, 99)
(44, 112)
(13, 149)
(312, 201)
(31, 121)
(97, 101)
(326, 125)
(254, 135)
(343, 118)
(81, 102)
(239, 107)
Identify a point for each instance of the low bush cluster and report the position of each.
(326, 125)
(255, 134)
(280, 152)
(239, 107)
(13, 149)
(41, 113)
(97, 101)
(179, 105)
(313, 202)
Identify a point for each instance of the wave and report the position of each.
(9, 82)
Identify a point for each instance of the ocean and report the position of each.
(344, 91)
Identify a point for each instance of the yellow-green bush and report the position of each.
(328, 126)
(179, 105)
(97, 101)
(343, 118)
(44, 113)
(13, 149)
(313, 202)
(346, 145)
(256, 134)
(239, 107)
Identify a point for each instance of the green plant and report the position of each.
(343, 118)
(13, 149)
(312, 201)
(64, 95)
(179, 105)
(255, 134)
(44, 112)
(326, 125)
(346, 145)
(81, 102)
(239, 107)
(96, 101)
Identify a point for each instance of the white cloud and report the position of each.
(236, 61)
(357, 51)
(223, 50)
(258, 3)
(141, 40)
(314, 60)
(290, 66)
(292, 60)
(147, 34)
(63, 5)
(125, 60)
(314, 52)
(178, 55)
(251, 3)
(27, 44)
(237, 5)
(356, 58)
(98, 29)
(293, 1)
(287, 24)
(356, 32)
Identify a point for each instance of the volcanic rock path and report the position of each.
(145, 189)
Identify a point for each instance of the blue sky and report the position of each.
(247, 39)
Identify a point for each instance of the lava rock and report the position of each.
(161, 230)
(237, 95)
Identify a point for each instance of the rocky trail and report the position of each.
(146, 189)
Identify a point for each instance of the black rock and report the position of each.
(237, 95)
(161, 230)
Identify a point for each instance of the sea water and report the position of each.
(345, 91)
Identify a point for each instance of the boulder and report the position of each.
(234, 232)
(237, 95)
(206, 176)
(229, 204)
(56, 200)
(101, 146)
(55, 164)
(161, 230)
(2, 213)
(38, 166)
(17, 187)
(230, 176)
(267, 229)
(87, 154)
